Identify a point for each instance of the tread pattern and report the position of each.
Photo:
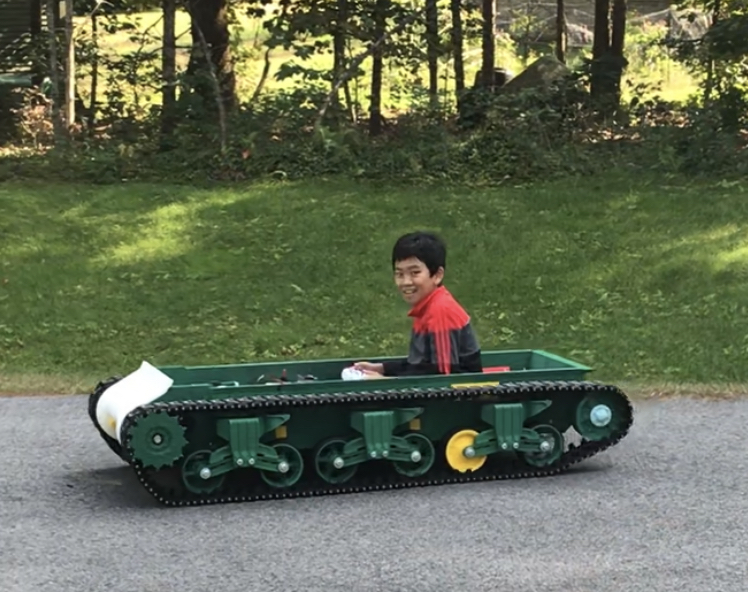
(165, 484)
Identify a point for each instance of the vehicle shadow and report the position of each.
(117, 487)
(111, 487)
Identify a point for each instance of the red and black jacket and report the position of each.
(442, 339)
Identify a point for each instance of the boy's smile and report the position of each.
(414, 281)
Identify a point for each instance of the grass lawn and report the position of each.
(643, 278)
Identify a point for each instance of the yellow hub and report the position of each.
(455, 451)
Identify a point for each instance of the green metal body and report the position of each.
(246, 380)
(252, 431)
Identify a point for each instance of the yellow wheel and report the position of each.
(460, 454)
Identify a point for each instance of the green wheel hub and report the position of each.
(551, 447)
(330, 464)
(422, 458)
(290, 467)
(157, 440)
(196, 474)
(598, 416)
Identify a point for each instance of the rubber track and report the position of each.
(93, 400)
(279, 403)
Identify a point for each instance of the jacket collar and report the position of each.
(421, 307)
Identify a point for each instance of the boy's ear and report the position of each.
(439, 275)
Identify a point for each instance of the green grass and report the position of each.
(641, 277)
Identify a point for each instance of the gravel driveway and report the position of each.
(664, 510)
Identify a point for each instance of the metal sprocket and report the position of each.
(157, 440)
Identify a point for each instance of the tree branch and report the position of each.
(356, 62)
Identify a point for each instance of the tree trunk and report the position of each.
(608, 61)
(169, 68)
(54, 68)
(617, 42)
(93, 106)
(339, 59)
(432, 51)
(489, 47)
(600, 47)
(35, 28)
(709, 83)
(210, 17)
(560, 31)
(457, 48)
(375, 111)
(69, 68)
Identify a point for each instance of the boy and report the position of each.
(442, 339)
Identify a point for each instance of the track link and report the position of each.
(164, 485)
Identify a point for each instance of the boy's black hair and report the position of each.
(426, 246)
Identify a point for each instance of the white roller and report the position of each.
(141, 387)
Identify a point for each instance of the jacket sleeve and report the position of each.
(405, 368)
(395, 367)
(438, 356)
(451, 352)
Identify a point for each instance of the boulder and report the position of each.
(543, 72)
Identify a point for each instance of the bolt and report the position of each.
(415, 456)
(600, 415)
(469, 452)
(205, 473)
(373, 454)
(157, 439)
(338, 463)
(546, 446)
(516, 445)
(505, 445)
(385, 453)
(251, 461)
(283, 466)
(240, 461)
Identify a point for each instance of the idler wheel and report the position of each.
(598, 416)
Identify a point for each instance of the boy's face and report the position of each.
(413, 280)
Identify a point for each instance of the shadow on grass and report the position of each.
(638, 279)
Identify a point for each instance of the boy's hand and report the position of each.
(369, 367)
(371, 375)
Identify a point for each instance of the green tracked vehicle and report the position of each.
(245, 432)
